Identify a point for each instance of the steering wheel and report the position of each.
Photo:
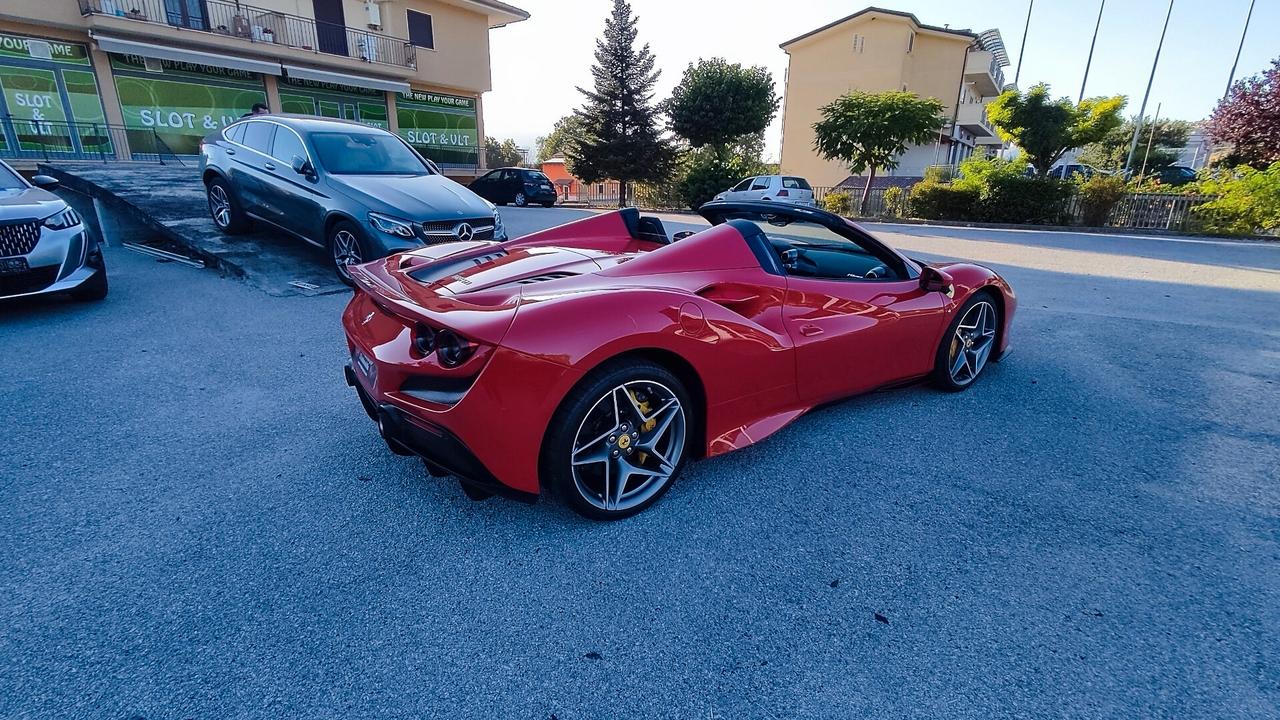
(876, 273)
(682, 235)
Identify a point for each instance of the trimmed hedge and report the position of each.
(942, 201)
(1043, 201)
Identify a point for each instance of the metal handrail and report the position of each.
(30, 139)
(263, 25)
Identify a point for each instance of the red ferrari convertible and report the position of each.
(597, 358)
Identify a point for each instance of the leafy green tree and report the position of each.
(722, 110)
(502, 154)
(870, 131)
(1046, 129)
(1247, 202)
(621, 138)
(717, 102)
(563, 134)
(1166, 138)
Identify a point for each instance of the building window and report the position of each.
(857, 43)
(420, 31)
(911, 41)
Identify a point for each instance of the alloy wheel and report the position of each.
(628, 445)
(219, 206)
(972, 342)
(521, 200)
(346, 250)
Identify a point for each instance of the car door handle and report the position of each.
(810, 330)
(230, 151)
(269, 166)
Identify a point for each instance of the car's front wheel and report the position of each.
(968, 344)
(93, 289)
(225, 208)
(619, 440)
(346, 248)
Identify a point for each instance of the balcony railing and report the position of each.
(261, 25)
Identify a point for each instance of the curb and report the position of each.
(170, 238)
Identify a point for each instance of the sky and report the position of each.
(538, 63)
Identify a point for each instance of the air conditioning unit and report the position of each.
(373, 14)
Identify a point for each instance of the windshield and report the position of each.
(9, 180)
(365, 153)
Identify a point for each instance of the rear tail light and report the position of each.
(783, 193)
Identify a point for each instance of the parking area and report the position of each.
(199, 521)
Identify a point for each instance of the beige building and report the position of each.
(877, 50)
(114, 78)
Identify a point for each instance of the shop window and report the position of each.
(421, 33)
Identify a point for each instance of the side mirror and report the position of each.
(301, 165)
(934, 280)
(44, 182)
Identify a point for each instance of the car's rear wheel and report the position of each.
(346, 248)
(521, 200)
(225, 208)
(968, 344)
(619, 440)
(548, 204)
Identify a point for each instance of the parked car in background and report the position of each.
(1067, 172)
(1176, 175)
(518, 186)
(785, 188)
(44, 245)
(358, 191)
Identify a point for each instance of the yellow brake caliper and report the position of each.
(648, 424)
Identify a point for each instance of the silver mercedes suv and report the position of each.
(44, 246)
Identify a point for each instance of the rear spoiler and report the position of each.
(406, 298)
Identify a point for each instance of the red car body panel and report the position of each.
(756, 349)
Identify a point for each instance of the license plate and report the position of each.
(8, 266)
(366, 367)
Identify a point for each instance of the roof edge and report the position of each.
(884, 11)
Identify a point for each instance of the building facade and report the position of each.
(877, 50)
(87, 79)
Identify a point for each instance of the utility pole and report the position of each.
(1232, 77)
(1133, 146)
(1151, 136)
(1022, 50)
(1092, 42)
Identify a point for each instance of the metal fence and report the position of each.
(24, 139)
(1138, 211)
(451, 157)
(262, 25)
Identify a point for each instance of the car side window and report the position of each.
(287, 146)
(235, 133)
(760, 184)
(257, 135)
(742, 185)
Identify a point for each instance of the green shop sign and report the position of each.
(18, 46)
(434, 119)
(181, 104)
(307, 97)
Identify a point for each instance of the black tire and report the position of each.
(548, 204)
(341, 251)
(946, 361)
(93, 289)
(233, 221)
(640, 379)
(520, 200)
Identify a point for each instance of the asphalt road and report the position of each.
(198, 521)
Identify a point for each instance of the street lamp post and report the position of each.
(1092, 42)
(1133, 146)
(1231, 78)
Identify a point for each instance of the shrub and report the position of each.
(939, 173)
(1248, 202)
(978, 172)
(705, 172)
(942, 201)
(1018, 199)
(894, 200)
(1098, 195)
(838, 202)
